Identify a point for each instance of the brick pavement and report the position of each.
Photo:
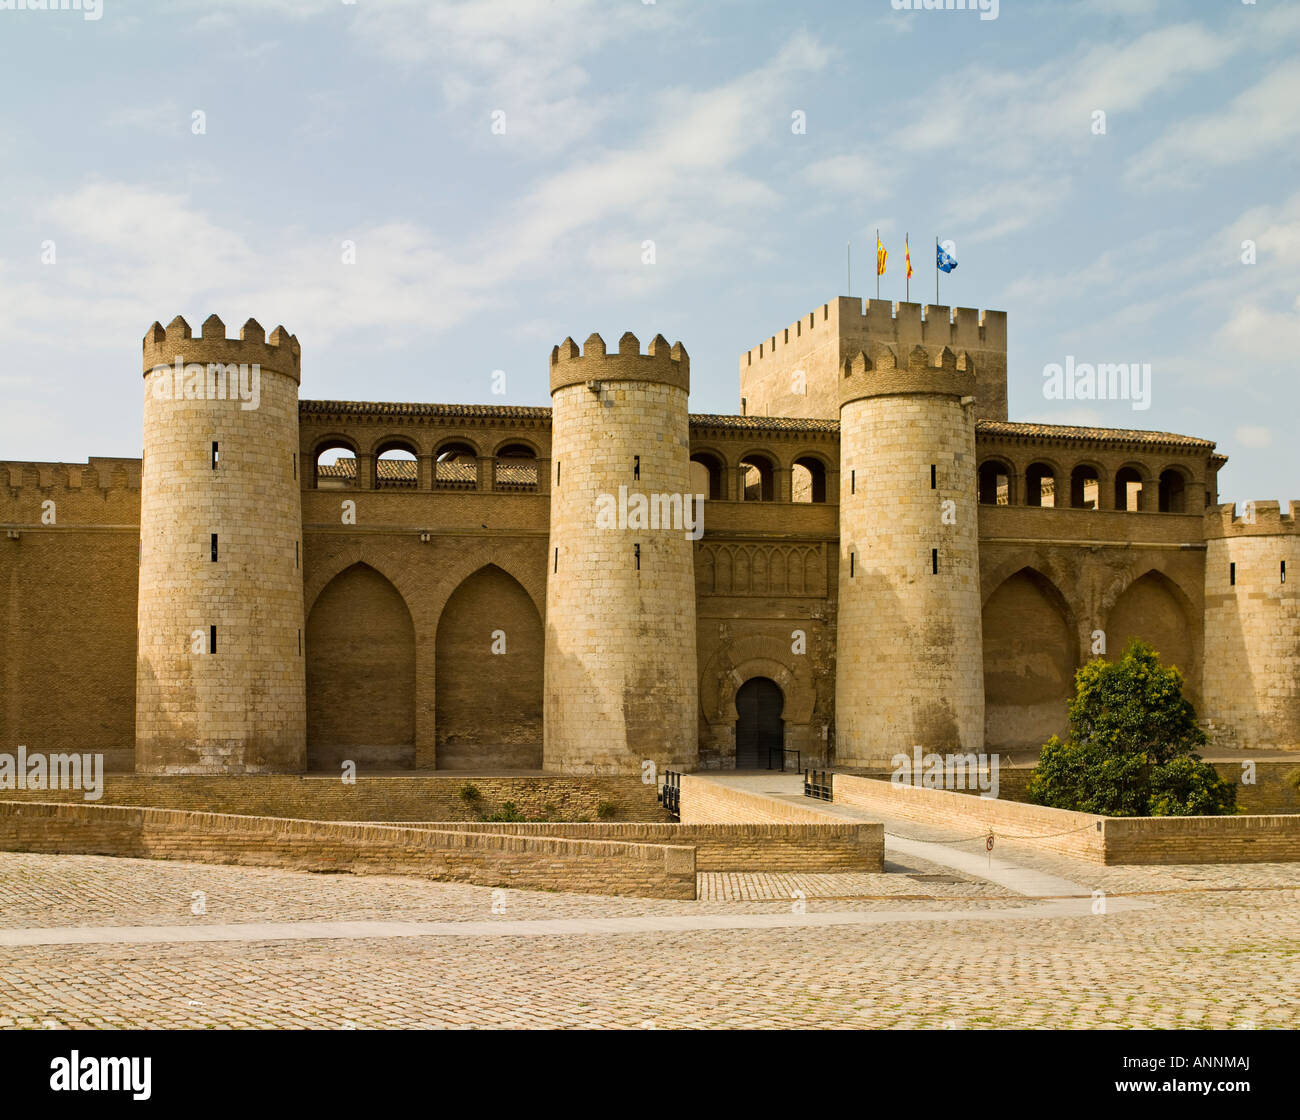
(921, 945)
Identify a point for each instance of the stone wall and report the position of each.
(621, 680)
(844, 846)
(486, 859)
(220, 681)
(908, 663)
(1273, 791)
(414, 798)
(1109, 840)
(1252, 627)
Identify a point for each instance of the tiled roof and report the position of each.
(992, 428)
(399, 408)
(388, 468)
(1068, 432)
(763, 423)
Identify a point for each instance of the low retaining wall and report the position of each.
(1109, 840)
(1057, 830)
(1244, 839)
(728, 847)
(490, 859)
(707, 803)
(326, 798)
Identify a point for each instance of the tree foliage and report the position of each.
(1132, 747)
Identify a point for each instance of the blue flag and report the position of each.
(944, 259)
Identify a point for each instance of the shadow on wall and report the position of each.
(489, 676)
(1030, 657)
(360, 650)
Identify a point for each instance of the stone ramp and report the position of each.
(907, 850)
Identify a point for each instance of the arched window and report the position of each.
(1040, 485)
(808, 480)
(336, 466)
(455, 467)
(516, 468)
(760, 478)
(706, 476)
(1173, 492)
(1128, 489)
(396, 466)
(995, 483)
(1085, 488)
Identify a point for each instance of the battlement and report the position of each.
(1259, 519)
(904, 325)
(279, 353)
(878, 372)
(661, 363)
(96, 473)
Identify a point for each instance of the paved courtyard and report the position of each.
(91, 942)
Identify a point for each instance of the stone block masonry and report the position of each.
(485, 859)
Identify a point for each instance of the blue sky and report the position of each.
(670, 122)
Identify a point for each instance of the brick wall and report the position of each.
(1119, 840)
(490, 653)
(1056, 830)
(1272, 791)
(486, 859)
(1244, 839)
(832, 846)
(705, 802)
(67, 631)
(360, 656)
(369, 799)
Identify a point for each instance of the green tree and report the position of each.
(1132, 746)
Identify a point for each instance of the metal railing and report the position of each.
(781, 752)
(817, 783)
(670, 793)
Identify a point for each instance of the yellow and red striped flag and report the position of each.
(881, 257)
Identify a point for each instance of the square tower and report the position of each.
(796, 372)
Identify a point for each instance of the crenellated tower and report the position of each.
(220, 684)
(621, 683)
(909, 662)
(796, 371)
(1252, 626)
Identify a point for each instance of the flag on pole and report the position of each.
(881, 257)
(907, 252)
(944, 260)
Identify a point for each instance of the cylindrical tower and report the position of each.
(220, 685)
(621, 684)
(1252, 627)
(909, 662)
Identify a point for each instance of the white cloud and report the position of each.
(1258, 121)
(848, 174)
(1253, 436)
(680, 183)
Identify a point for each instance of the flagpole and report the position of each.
(907, 270)
(936, 270)
(877, 264)
(848, 266)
